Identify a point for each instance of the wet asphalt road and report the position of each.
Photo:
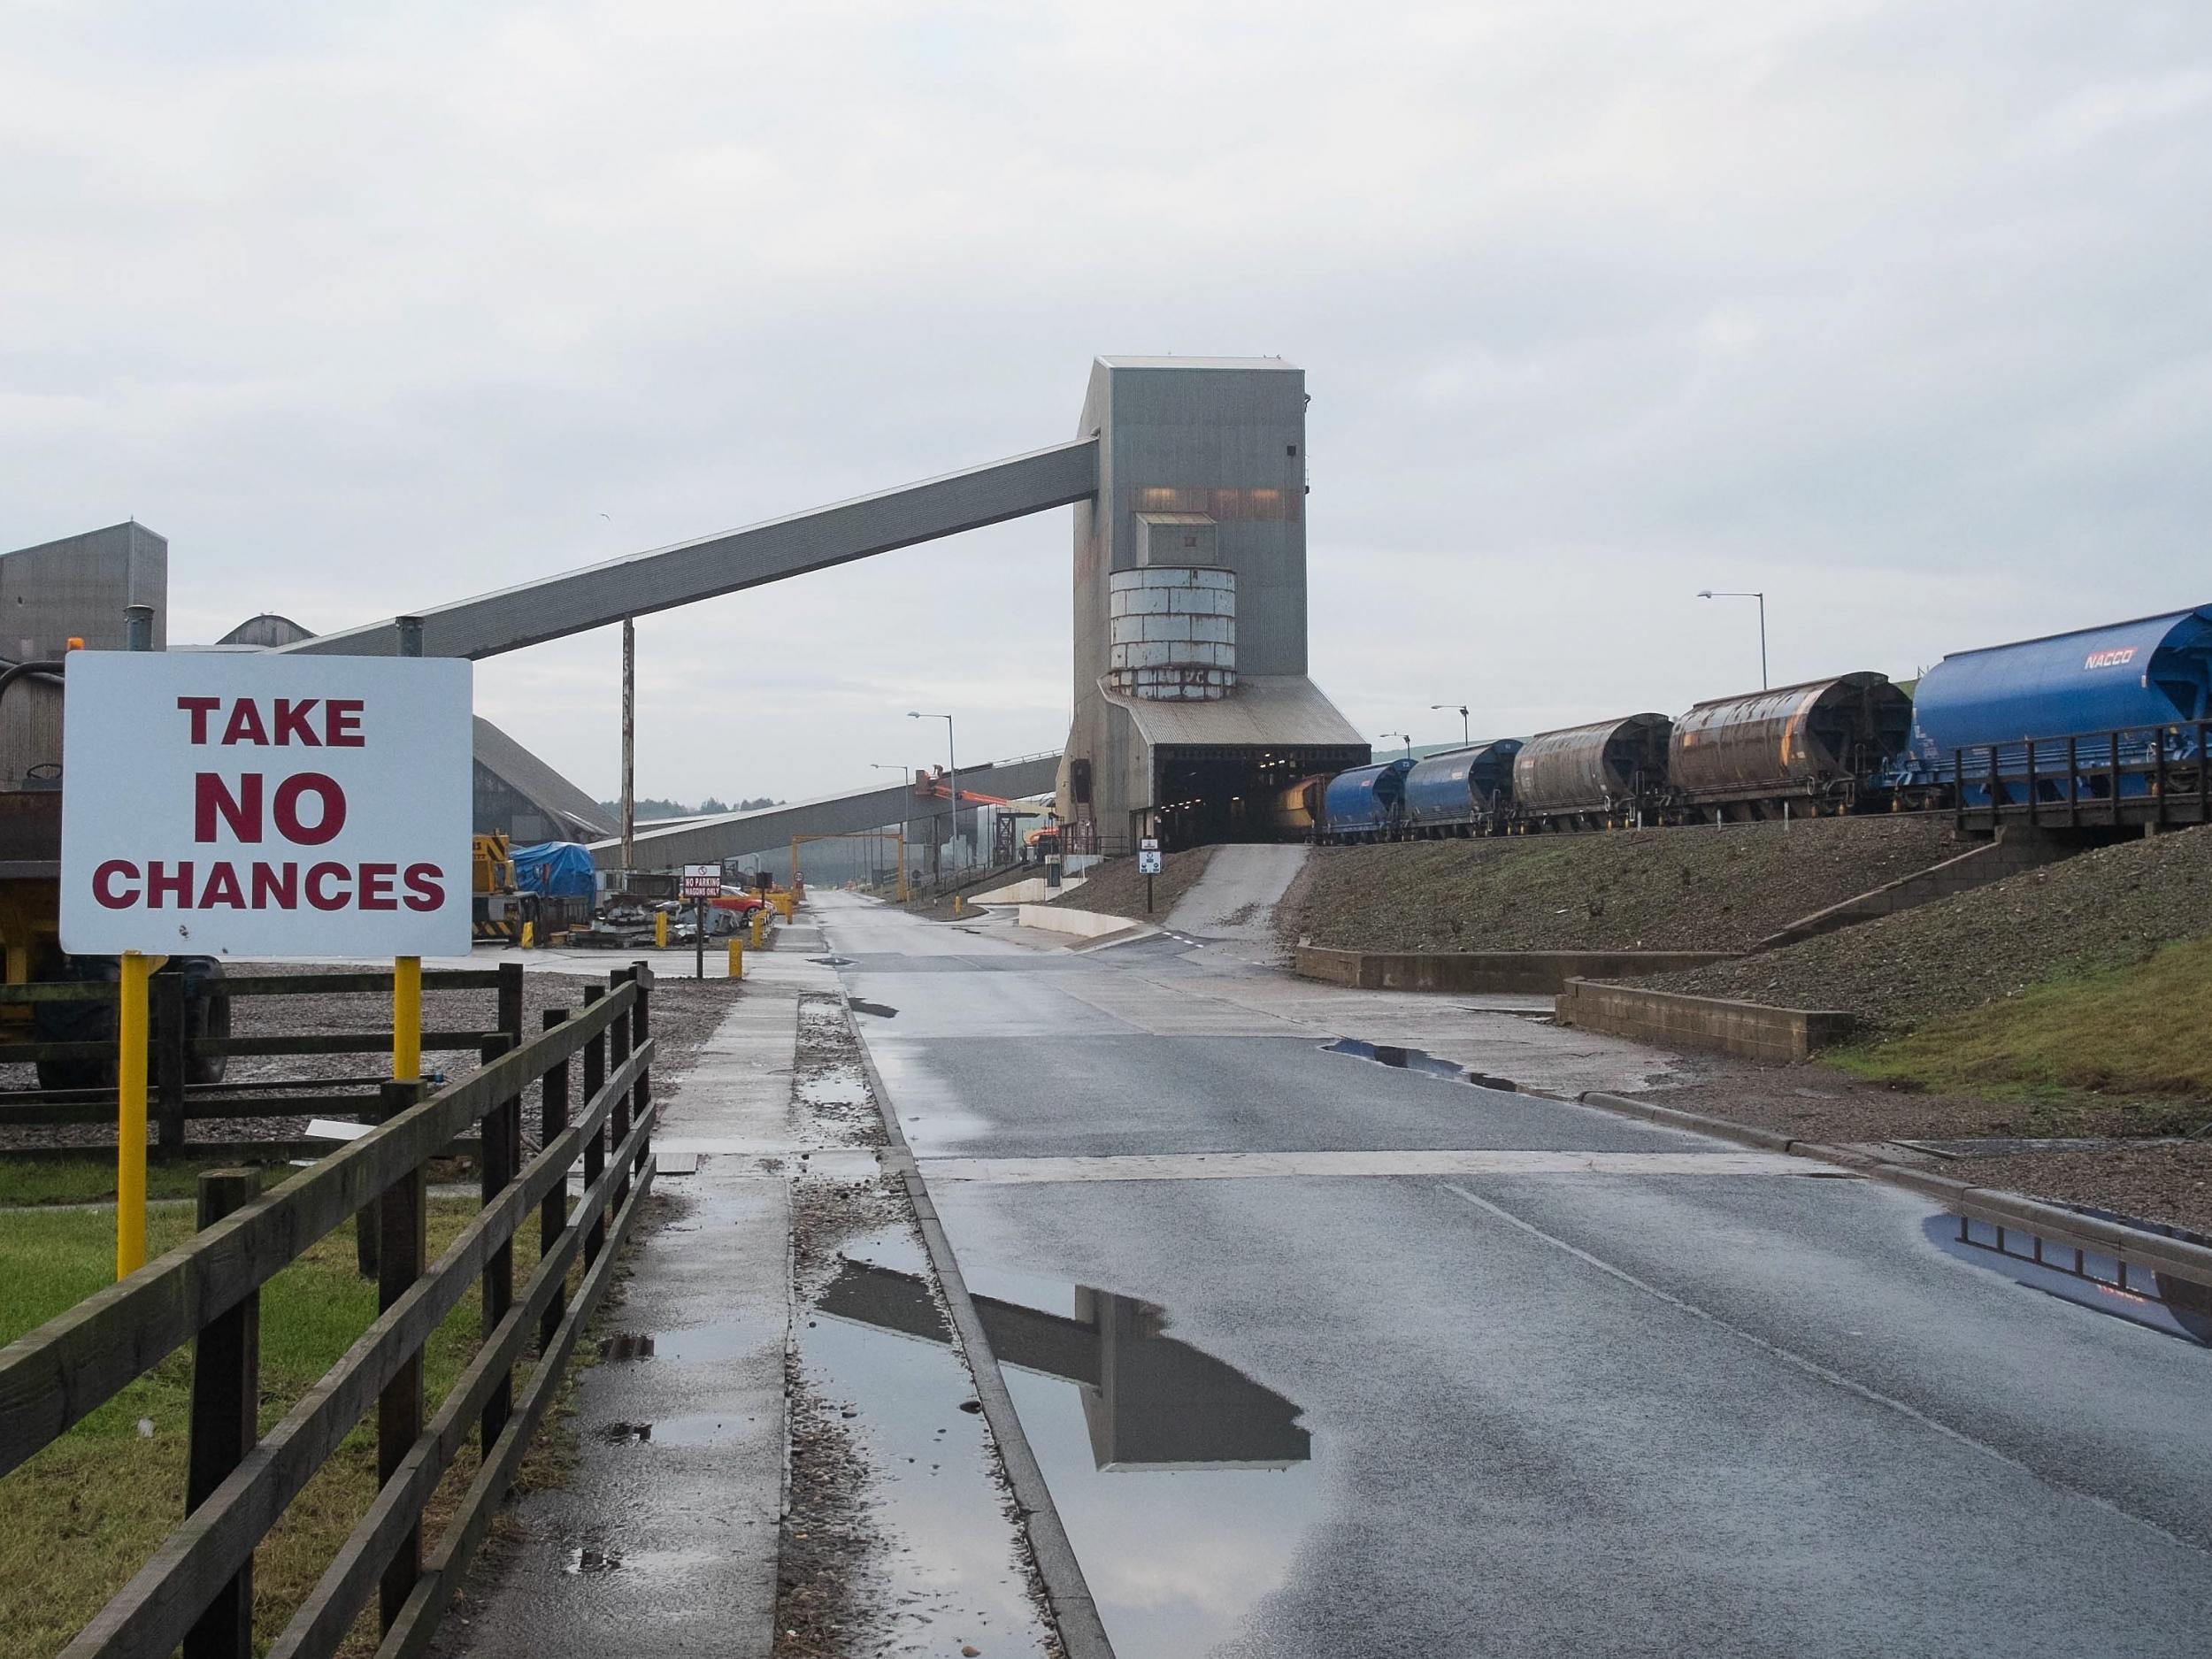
(1479, 1411)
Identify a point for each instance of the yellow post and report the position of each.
(407, 1019)
(529, 935)
(660, 930)
(957, 907)
(760, 925)
(737, 956)
(130, 1116)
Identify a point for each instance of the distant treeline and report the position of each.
(653, 807)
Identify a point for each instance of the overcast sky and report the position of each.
(1899, 312)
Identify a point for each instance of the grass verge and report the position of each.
(2074, 1047)
(90, 1180)
(87, 1512)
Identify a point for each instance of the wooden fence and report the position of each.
(172, 1100)
(196, 1589)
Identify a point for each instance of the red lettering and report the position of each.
(318, 893)
(161, 883)
(242, 813)
(222, 888)
(199, 708)
(103, 882)
(245, 724)
(423, 890)
(291, 722)
(276, 887)
(333, 816)
(376, 887)
(341, 723)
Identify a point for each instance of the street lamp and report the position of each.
(1466, 737)
(1707, 593)
(1406, 736)
(952, 765)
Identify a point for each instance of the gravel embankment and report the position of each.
(2107, 908)
(1697, 888)
(1115, 888)
(683, 1013)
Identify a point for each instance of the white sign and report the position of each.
(1148, 862)
(226, 804)
(702, 881)
(1148, 844)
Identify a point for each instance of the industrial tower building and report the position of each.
(1192, 702)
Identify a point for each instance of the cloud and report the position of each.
(1899, 313)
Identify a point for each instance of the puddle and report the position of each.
(1185, 1485)
(878, 1009)
(2158, 1302)
(876, 1346)
(831, 962)
(1415, 1060)
(626, 1346)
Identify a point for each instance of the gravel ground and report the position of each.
(1663, 889)
(1114, 887)
(2108, 908)
(684, 1012)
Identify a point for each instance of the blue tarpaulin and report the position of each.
(555, 870)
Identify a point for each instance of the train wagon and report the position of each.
(1608, 774)
(1365, 804)
(1461, 791)
(1815, 748)
(2094, 713)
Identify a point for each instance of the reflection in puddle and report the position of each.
(951, 1576)
(1184, 1484)
(1416, 1060)
(2160, 1301)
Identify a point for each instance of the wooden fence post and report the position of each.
(510, 1002)
(403, 1247)
(502, 1156)
(618, 1119)
(225, 1404)
(641, 1028)
(596, 1148)
(553, 1213)
(170, 1070)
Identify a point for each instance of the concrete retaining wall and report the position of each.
(1083, 924)
(1035, 890)
(2008, 855)
(1537, 972)
(1676, 1021)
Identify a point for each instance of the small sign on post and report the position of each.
(1147, 866)
(257, 806)
(701, 882)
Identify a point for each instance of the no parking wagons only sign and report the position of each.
(266, 806)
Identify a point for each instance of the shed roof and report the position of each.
(539, 784)
(1266, 711)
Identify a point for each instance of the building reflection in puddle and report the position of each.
(1185, 1485)
(2159, 1302)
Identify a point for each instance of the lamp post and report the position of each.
(1406, 737)
(952, 765)
(1707, 593)
(1466, 734)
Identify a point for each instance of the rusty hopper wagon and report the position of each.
(1812, 748)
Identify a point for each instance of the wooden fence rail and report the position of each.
(197, 1588)
(173, 1101)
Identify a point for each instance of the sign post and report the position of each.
(1147, 866)
(234, 807)
(701, 882)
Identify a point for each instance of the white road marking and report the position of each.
(1225, 1166)
(1814, 1368)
